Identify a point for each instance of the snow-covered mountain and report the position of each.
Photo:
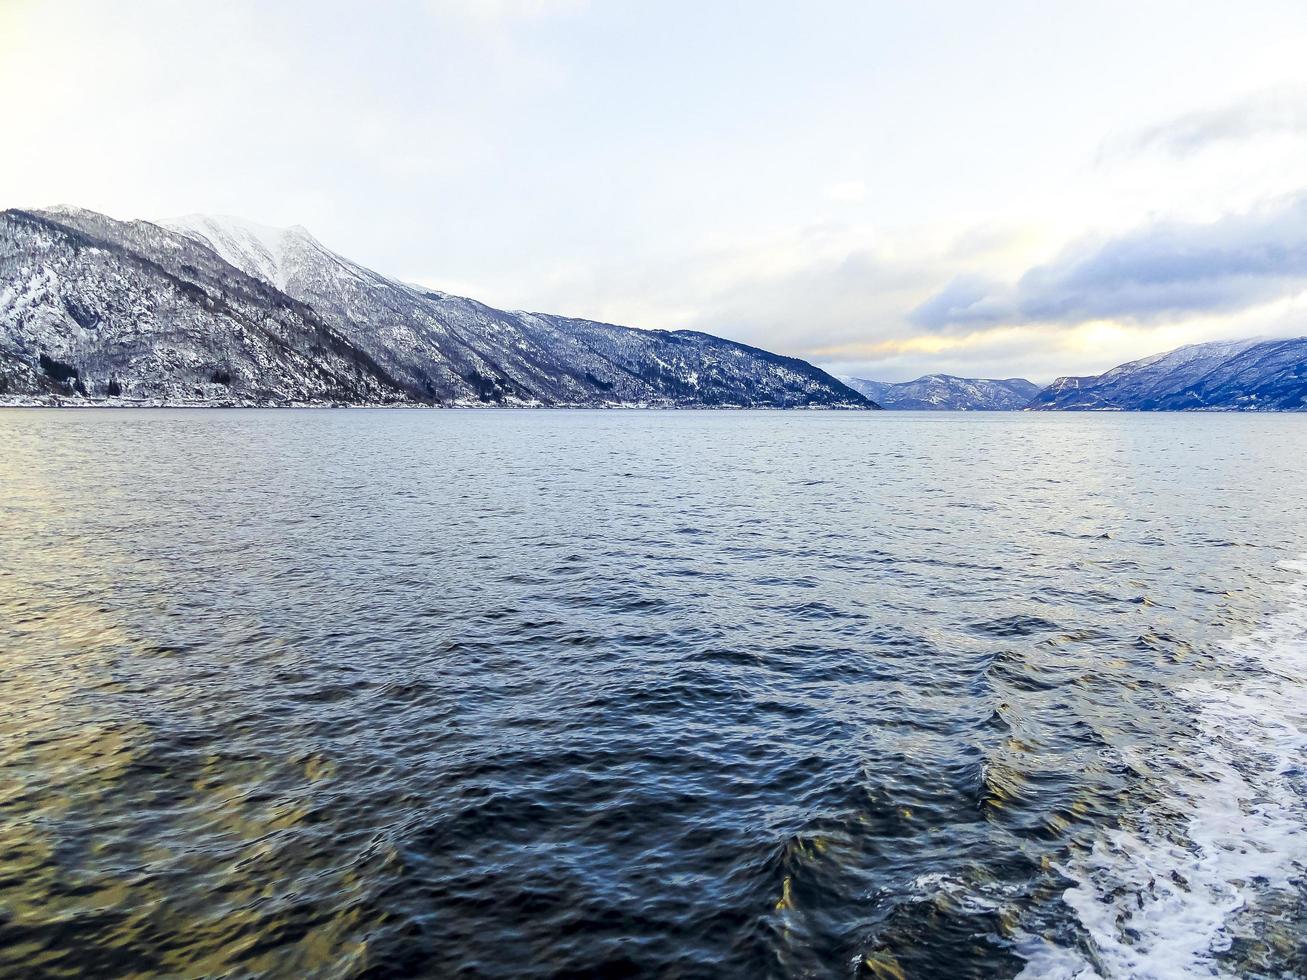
(1268, 375)
(92, 307)
(946, 392)
(219, 310)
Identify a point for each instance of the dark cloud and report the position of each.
(1158, 272)
(967, 301)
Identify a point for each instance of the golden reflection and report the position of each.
(83, 844)
(786, 900)
(883, 965)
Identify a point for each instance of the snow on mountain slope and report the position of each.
(946, 392)
(259, 250)
(1244, 374)
(1268, 375)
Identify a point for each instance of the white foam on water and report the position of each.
(1161, 899)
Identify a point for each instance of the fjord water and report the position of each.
(680, 694)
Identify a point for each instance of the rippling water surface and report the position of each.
(677, 694)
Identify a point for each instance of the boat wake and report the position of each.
(1211, 882)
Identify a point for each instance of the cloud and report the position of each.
(966, 300)
(846, 192)
(1027, 352)
(799, 290)
(1036, 352)
(1273, 112)
(501, 11)
(1158, 272)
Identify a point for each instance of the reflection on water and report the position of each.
(691, 694)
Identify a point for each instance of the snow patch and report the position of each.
(259, 250)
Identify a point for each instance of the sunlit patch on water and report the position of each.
(1212, 878)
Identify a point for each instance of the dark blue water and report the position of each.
(675, 694)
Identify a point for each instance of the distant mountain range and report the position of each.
(1243, 375)
(220, 311)
(944, 392)
(1246, 375)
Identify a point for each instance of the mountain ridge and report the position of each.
(947, 392)
(1241, 375)
(188, 325)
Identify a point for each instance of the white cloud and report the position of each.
(505, 11)
(846, 192)
(1271, 112)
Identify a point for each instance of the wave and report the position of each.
(1198, 884)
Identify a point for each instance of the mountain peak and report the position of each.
(236, 225)
(260, 250)
(71, 210)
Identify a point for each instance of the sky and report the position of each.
(887, 189)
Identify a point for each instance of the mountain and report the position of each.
(94, 307)
(1245, 375)
(208, 310)
(451, 348)
(945, 392)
